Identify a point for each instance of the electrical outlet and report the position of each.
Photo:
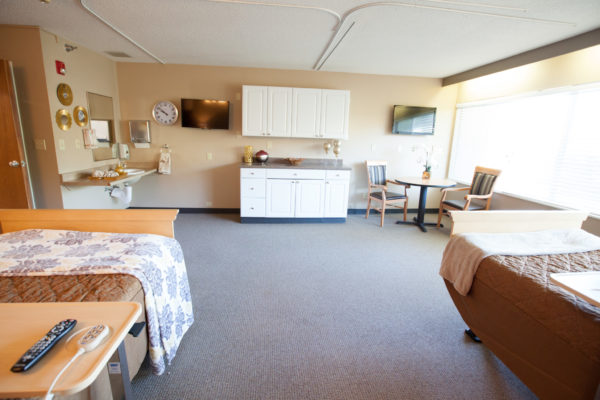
(40, 144)
(209, 204)
(373, 147)
(209, 156)
(269, 144)
(77, 144)
(61, 144)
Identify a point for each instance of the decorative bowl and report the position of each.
(295, 161)
(261, 156)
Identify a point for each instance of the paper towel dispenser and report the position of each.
(140, 133)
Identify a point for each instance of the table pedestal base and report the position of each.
(420, 224)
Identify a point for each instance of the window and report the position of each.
(547, 145)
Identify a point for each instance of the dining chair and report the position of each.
(482, 188)
(378, 190)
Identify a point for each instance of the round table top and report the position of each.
(432, 182)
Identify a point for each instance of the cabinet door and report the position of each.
(336, 198)
(335, 106)
(306, 112)
(309, 198)
(254, 111)
(279, 115)
(280, 198)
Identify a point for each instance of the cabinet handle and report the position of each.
(252, 208)
(251, 188)
(327, 183)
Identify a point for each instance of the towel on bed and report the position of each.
(464, 252)
(156, 261)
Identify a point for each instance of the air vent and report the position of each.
(118, 54)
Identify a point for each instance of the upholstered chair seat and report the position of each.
(388, 196)
(460, 204)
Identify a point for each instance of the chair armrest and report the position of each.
(454, 189)
(478, 196)
(382, 187)
(398, 183)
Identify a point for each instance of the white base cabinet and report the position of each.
(294, 193)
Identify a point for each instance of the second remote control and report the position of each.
(42, 346)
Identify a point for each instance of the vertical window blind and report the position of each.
(547, 145)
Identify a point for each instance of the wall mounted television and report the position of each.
(204, 114)
(411, 120)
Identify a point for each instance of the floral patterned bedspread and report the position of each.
(156, 261)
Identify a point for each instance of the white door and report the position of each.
(335, 106)
(336, 198)
(279, 115)
(254, 111)
(306, 112)
(280, 198)
(309, 198)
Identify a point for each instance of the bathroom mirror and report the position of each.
(102, 120)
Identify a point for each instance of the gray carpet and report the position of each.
(322, 311)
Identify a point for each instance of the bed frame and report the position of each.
(516, 338)
(158, 222)
(498, 221)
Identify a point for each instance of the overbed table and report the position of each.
(419, 220)
(582, 284)
(22, 324)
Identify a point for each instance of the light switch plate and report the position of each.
(61, 144)
(209, 156)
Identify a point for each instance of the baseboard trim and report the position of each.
(392, 211)
(264, 220)
(187, 210)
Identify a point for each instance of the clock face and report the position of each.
(165, 113)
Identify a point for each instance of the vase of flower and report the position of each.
(427, 172)
(425, 157)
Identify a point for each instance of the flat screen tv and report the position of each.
(204, 114)
(410, 120)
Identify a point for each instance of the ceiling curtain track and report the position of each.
(330, 48)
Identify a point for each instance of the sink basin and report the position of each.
(133, 171)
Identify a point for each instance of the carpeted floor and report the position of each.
(322, 311)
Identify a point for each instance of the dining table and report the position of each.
(424, 184)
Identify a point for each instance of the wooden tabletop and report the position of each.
(432, 182)
(23, 324)
(585, 285)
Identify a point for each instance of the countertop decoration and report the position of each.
(307, 163)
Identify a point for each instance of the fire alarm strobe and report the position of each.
(60, 68)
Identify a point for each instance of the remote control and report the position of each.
(42, 346)
(93, 337)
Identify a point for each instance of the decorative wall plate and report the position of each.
(63, 119)
(80, 115)
(64, 93)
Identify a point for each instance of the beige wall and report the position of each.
(87, 71)
(22, 46)
(579, 67)
(199, 182)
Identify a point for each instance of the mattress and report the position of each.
(547, 336)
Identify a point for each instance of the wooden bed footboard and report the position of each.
(155, 221)
(498, 221)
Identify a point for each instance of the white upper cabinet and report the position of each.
(279, 111)
(306, 113)
(295, 112)
(254, 111)
(335, 106)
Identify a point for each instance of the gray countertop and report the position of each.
(307, 163)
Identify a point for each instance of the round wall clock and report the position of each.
(165, 113)
(80, 115)
(63, 119)
(64, 94)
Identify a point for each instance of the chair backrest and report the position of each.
(376, 172)
(484, 180)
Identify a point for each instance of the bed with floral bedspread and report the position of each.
(156, 261)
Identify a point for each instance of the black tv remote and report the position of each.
(42, 346)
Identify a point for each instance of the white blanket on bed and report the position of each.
(465, 251)
(156, 261)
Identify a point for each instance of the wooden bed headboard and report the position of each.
(158, 222)
(515, 220)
